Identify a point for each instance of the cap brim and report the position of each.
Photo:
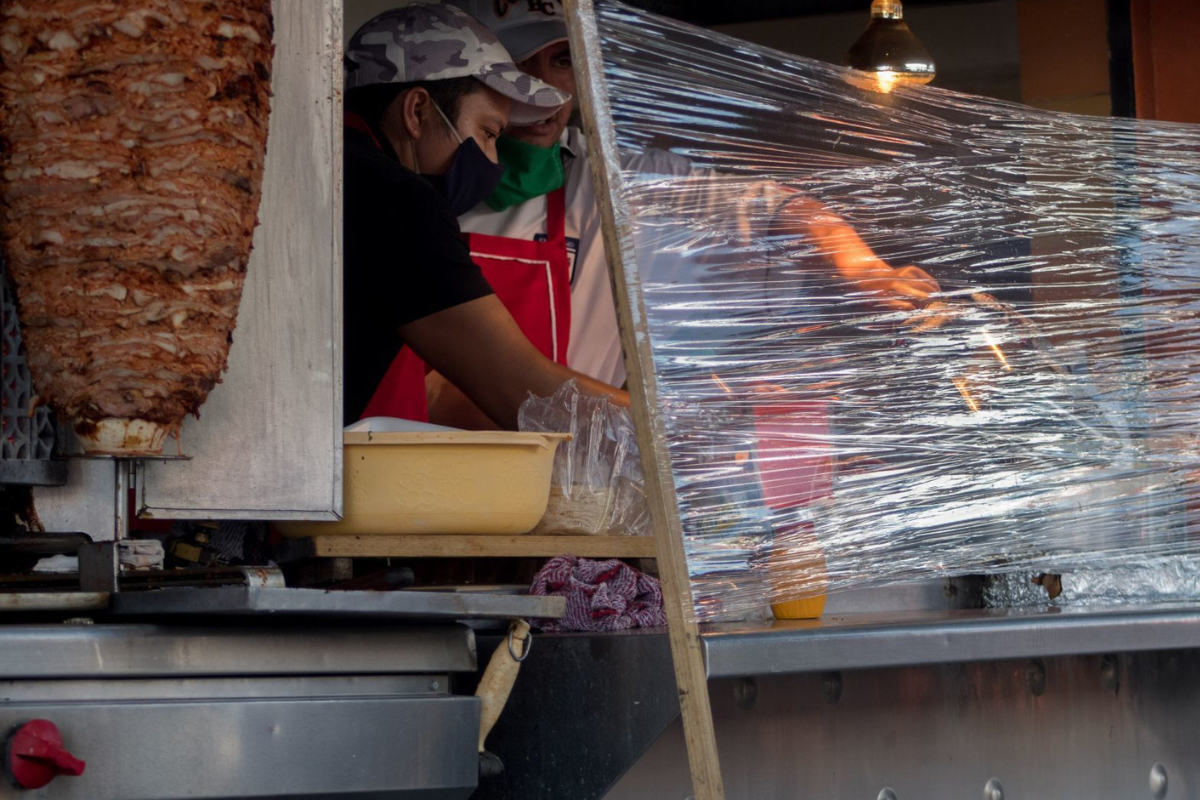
(532, 100)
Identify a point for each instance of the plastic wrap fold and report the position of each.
(829, 419)
(596, 486)
(1154, 580)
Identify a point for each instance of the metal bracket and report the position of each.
(99, 567)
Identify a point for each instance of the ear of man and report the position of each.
(415, 107)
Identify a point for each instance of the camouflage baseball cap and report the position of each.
(523, 26)
(433, 42)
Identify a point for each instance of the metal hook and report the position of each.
(528, 646)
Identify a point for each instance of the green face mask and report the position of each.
(532, 172)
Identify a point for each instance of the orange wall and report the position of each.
(1064, 55)
(1166, 59)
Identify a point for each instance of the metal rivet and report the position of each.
(1035, 676)
(886, 794)
(831, 688)
(993, 790)
(1158, 781)
(745, 693)
(1110, 673)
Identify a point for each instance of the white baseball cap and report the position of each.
(522, 26)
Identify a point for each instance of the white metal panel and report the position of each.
(268, 443)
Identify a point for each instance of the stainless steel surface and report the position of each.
(31, 472)
(85, 504)
(268, 441)
(122, 483)
(272, 687)
(401, 748)
(860, 641)
(252, 600)
(127, 651)
(52, 601)
(1158, 782)
(927, 595)
(100, 567)
(946, 731)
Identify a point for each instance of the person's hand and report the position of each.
(904, 289)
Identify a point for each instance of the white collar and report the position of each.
(573, 142)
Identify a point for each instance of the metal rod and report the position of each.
(123, 482)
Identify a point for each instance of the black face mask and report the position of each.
(472, 176)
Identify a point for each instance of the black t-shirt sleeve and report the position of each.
(404, 259)
(405, 242)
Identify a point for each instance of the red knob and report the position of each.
(36, 756)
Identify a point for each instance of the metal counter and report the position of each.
(863, 641)
(912, 703)
(260, 709)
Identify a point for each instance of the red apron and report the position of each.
(531, 279)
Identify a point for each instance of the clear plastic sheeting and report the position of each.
(596, 486)
(1154, 580)
(1026, 396)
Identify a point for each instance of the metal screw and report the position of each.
(434, 686)
(831, 688)
(993, 790)
(1158, 781)
(745, 693)
(1035, 676)
(1110, 674)
(886, 794)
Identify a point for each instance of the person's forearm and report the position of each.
(544, 379)
(448, 405)
(851, 256)
(480, 349)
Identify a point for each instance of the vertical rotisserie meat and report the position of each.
(132, 140)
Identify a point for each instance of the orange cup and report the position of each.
(798, 571)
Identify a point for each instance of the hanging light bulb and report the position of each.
(889, 51)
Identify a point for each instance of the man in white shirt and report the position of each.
(535, 32)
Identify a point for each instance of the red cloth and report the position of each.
(601, 595)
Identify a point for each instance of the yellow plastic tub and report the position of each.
(460, 482)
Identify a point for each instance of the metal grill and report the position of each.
(26, 439)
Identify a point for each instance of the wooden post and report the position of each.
(690, 675)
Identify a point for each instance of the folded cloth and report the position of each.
(601, 595)
(141, 553)
(57, 563)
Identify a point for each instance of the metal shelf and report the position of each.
(470, 546)
(260, 647)
(863, 641)
(243, 601)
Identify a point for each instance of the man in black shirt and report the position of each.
(429, 90)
